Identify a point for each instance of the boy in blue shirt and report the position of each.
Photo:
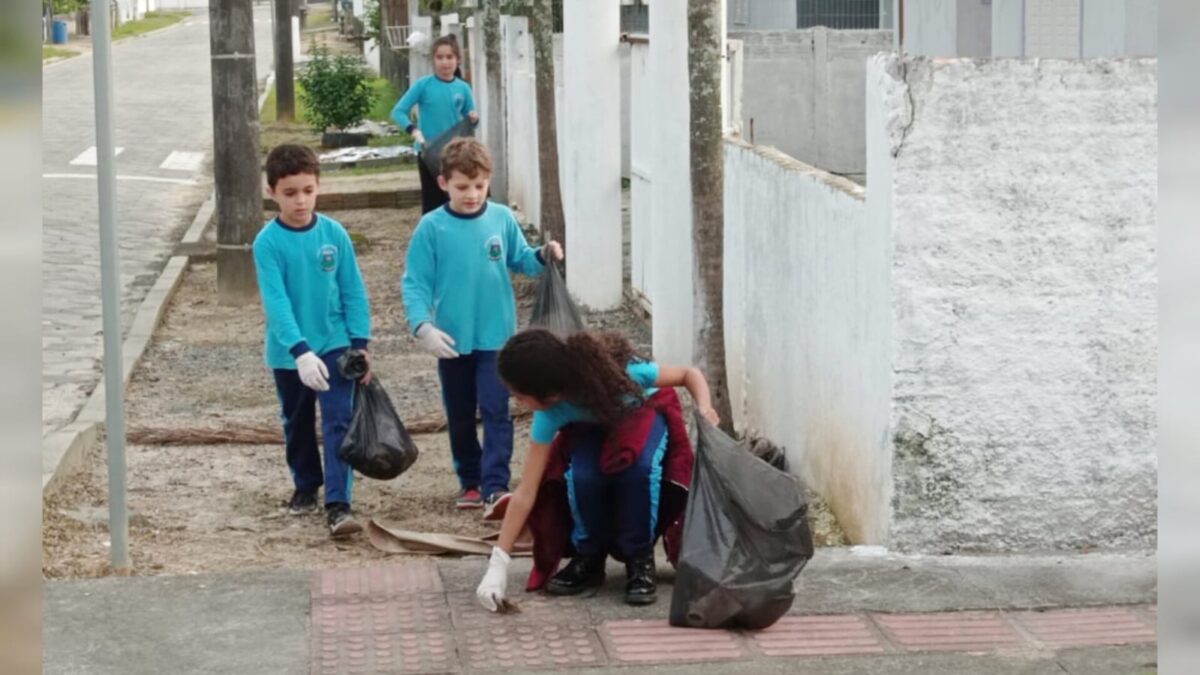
(316, 307)
(458, 297)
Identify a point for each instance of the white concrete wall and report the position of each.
(1119, 27)
(1022, 206)
(805, 89)
(1008, 27)
(592, 162)
(806, 312)
(420, 59)
(524, 184)
(670, 285)
(641, 138)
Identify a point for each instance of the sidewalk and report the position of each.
(853, 613)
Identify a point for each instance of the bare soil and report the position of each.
(204, 508)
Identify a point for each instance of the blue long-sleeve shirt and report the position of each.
(441, 105)
(457, 275)
(312, 291)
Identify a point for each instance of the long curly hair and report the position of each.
(586, 369)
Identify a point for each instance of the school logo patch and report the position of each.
(328, 258)
(495, 249)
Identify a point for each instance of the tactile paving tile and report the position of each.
(527, 647)
(536, 608)
(419, 653)
(372, 582)
(818, 636)
(412, 613)
(1086, 627)
(644, 641)
(949, 631)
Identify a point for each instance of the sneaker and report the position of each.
(582, 573)
(341, 520)
(640, 587)
(302, 503)
(496, 505)
(469, 498)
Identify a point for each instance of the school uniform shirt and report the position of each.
(441, 105)
(312, 290)
(457, 275)
(546, 423)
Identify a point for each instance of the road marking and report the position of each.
(180, 160)
(149, 179)
(88, 157)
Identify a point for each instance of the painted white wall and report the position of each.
(478, 58)
(592, 120)
(948, 28)
(1119, 27)
(806, 312)
(420, 62)
(517, 72)
(1023, 286)
(642, 125)
(805, 91)
(670, 286)
(1008, 27)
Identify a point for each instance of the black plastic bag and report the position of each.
(431, 152)
(553, 308)
(377, 445)
(745, 538)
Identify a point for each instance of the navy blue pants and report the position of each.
(471, 382)
(617, 512)
(299, 412)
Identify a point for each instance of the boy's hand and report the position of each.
(313, 372)
(491, 589)
(436, 342)
(473, 116)
(554, 249)
(418, 136)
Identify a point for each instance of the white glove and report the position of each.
(313, 372)
(418, 136)
(436, 342)
(491, 589)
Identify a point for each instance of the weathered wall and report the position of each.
(806, 319)
(1022, 206)
(517, 73)
(804, 89)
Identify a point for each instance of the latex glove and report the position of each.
(366, 378)
(491, 590)
(313, 372)
(554, 249)
(418, 136)
(473, 116)
(436, 342)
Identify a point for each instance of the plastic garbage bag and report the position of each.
(377, 445)
(745, 538)
(431, 152)
(553, 308)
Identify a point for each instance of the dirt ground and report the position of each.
(202, 508)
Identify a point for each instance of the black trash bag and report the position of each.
(431, 152)
(553, 308)
(770, 453)
(745, 538)
(377, 445)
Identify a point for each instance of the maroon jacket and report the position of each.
(550, 519)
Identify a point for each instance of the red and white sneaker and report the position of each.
(496, 505)
(470, 498)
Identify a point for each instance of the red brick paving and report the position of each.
(1086, 627)
(644, 641)
(422, 653)
(514, 646)
(819, 636)
(374, 582)
(949, 631)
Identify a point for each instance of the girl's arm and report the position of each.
(402, 111)
(523, 498)
(693, 380)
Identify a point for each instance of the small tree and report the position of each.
(335, 90)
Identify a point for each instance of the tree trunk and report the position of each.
(495, 101)
(708, 198)
(236, 168)
(285, 86)
(542, 27)
(393, 63)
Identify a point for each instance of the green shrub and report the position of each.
(335, 90)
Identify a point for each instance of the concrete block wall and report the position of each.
(1020, 194)
(804, 91)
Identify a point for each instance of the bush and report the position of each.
(335, 90)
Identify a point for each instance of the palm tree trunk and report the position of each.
(542, 26)
(708, 198)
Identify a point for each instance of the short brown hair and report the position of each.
(291, 159)
(467, 156)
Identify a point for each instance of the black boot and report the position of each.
(640, 587)
(582, 573)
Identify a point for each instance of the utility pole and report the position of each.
(235, 144)
(494, 115)
(285, 87)
(110, 288)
